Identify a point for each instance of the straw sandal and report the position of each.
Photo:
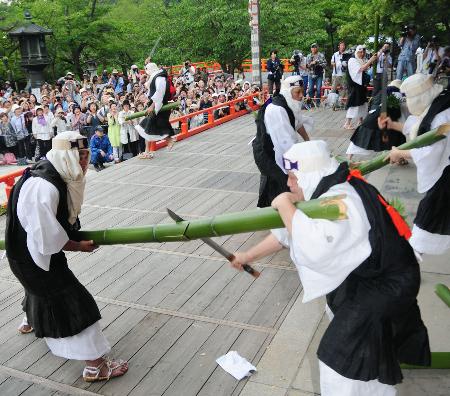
(146, 155)
(24, 327)
(92, 374)
(170, 143)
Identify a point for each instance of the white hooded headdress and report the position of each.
(65, 158)
(310, 162)
(420, 92)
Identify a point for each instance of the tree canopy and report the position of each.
(118, 33)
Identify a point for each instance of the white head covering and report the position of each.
(395, 83)
(66, 161)
(420, 92)
(287, 86)
(310, 162)
(152, 70)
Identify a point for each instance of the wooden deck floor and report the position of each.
(170, 309)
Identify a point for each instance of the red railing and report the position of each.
(9, 180)
(185, 132)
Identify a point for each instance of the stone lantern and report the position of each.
(92, 67)
(33, 51)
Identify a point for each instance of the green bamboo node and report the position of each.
(423, 140)
(166, 107)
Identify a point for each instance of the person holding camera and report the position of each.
(409, 42)
(383, 54)
(316, 63)
(275, 72)
(187, 72)
(59, 122)
(432, 56)
(338, 63)
(358, 80)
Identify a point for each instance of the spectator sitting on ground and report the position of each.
(101, 149)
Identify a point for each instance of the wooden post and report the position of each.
(253, 9)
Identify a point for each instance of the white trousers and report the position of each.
(334, 384)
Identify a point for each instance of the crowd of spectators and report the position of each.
(97, 106)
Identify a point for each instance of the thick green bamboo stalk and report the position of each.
(443, 292)
(439, 360)
(168, 106)
(423, 140)
(331, 208)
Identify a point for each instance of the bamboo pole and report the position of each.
(443, 292)
(439, 360)
(426, 139)
(167, 107)
(375, 44)
(330, 208)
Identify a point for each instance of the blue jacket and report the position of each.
(100, 143)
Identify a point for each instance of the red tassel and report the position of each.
(356, 173)
(399, 223)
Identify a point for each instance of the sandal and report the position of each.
(92, 374)
(24, 327)
(147, 155)
(170, 143)
(348, 127)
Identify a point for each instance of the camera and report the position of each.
(344, 60)
(404, 31)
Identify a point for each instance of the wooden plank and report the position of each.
(168, 367)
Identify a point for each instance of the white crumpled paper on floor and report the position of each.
(236, 365)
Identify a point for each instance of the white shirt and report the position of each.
(325, 252)
(42, 132)
(431, 160)
(281, 132)
(380, 62)
(36, 209)
(353, 69)
(158, 96)
(337, 68)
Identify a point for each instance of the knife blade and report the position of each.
(218, 248)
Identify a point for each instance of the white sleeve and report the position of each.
(353, 69)
(431, 160)
(282, 235)
(36, 209)
(281, 132)
(158, 96)
(326, 252)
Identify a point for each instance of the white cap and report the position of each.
(69, 140)
(14, 107)
(395, 83)
(151, 68)
(310, 162)
(292, 81)
(360, 48)
(416, 84)
(420, 92)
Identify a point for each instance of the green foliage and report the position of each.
(118, 33)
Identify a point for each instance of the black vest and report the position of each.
(56, 303)
(439, 104)
(263, 151)
(377, 322)
(152, 89)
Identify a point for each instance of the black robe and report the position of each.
(433, 213)
(273, 179)
(357, 94)
(368, 136)
(377, 323)
(56, 303)
(158, 124)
